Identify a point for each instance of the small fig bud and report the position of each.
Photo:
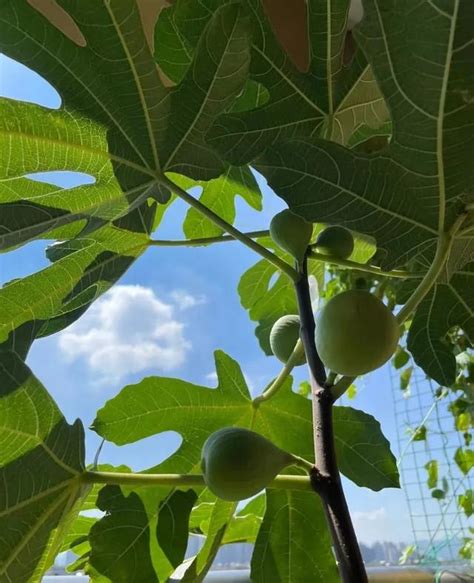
(291, 232)
(335, 241)
(283, 338)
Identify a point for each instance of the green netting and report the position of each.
(427, 434)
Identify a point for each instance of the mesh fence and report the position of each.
(428, 440)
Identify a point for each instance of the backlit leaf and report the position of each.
(219, 195)
(293, 541)
(41, 463)
(161, 404)
(464, 457)
(432, 468)
(121, 553)
(409, 192)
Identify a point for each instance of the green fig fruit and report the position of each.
(238, 463)
(335, 241)
(355, 333)
(284, 335)
(291, 232)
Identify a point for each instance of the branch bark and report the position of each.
(325, 476)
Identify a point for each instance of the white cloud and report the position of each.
(212, 377)
(127, 331)
(370, 515)
(184, 300)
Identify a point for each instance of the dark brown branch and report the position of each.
(307, 324)
(325, 477)
(326, 481)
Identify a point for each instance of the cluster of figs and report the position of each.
(355, 333)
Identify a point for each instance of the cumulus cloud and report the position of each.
(129, 330)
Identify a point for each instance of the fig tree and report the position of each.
(355, 333)
(238, 463)
(291, 232)
(335, 241)
(283, 337)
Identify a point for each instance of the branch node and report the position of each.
(320, 481)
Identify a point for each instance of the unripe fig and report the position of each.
(355, 333)
(335, 241)
(283, 337)
(291, 232)
(238, 463)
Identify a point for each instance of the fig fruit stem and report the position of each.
(341, 387)
(302, 463)
(230, 229)
(445, 242)
(279, 381)
(201, 241)
(325, 476)
(347, 263)
(281, 482)
(332, 376)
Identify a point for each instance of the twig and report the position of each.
(202, 240)
(445, 242)
(219, 221)
(348, 264)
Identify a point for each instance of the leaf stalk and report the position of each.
(281, 482)
(443, 249)
(276, 385)
(341, 387)
(202, 241)
(348, 264)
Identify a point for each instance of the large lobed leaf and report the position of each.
(162, 404)
(41, 462)
(454, 288)
(412, 191)
(118, 123)
(333, 98)
(112, 79)
(406, 194)
(83, 269)
(35, 139)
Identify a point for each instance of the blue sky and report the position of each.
(192, 295)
